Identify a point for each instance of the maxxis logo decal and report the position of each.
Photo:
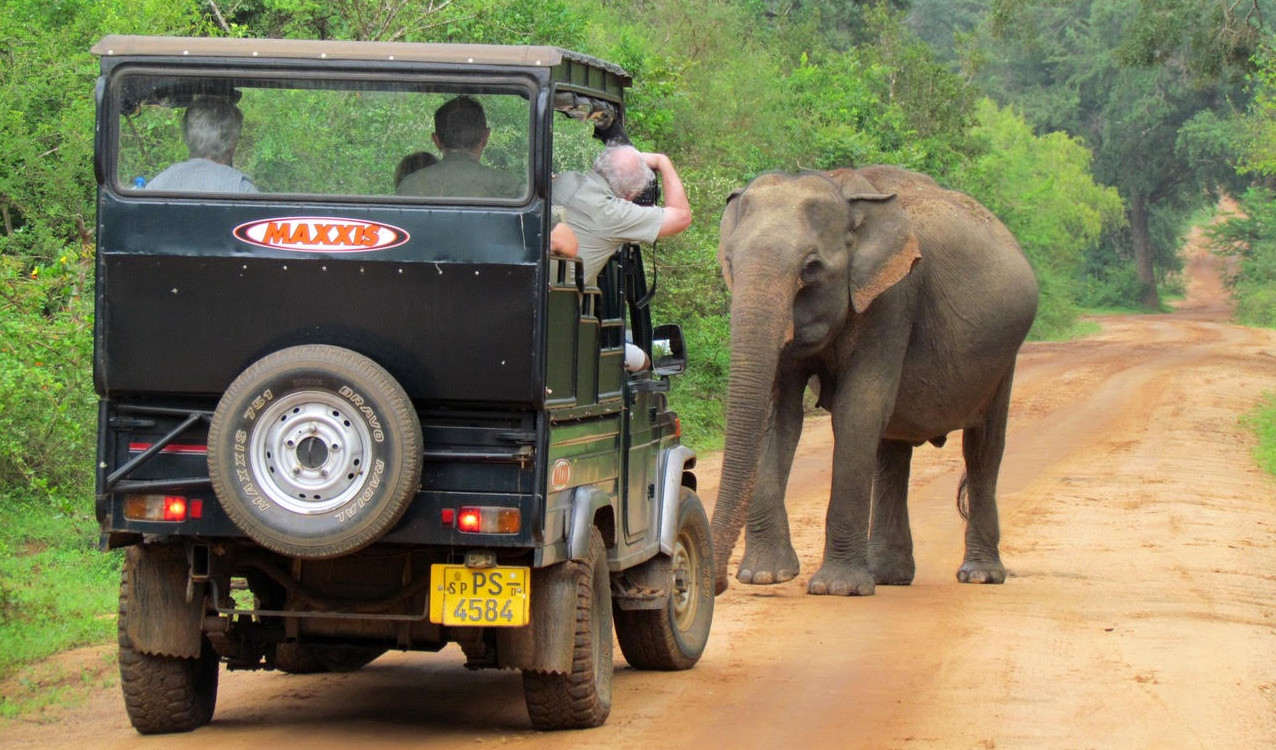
(318, 234)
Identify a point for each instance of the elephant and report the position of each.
(908, 303)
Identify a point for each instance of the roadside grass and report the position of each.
(57, 591)
(46, 688)
(1262, 421)
(1083, 328)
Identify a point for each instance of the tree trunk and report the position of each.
(1150, 298)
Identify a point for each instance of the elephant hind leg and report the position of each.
(890, 543)
(982, 447)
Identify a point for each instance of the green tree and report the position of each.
(1259, 140)
(47, 414)
(471, 21)
(1251, 236)
(1042, 189)
(1133, 79)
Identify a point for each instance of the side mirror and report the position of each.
(668, 351)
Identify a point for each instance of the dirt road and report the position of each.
(1140, 611)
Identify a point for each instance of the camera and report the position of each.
(650, 195)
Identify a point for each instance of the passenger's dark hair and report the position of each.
(411, 163)
(460, 123)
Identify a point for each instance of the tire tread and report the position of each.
(164, 694)
(572, 701)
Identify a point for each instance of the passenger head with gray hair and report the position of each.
(599, 205)
(211, 129)
(625, 170)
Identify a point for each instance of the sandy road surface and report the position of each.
(1140, 611)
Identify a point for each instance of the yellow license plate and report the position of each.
(479, 597)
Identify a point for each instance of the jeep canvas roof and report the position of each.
(575, 67)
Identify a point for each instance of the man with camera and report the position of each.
(604, 206)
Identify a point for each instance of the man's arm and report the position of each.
(677, 208)
(562, 240)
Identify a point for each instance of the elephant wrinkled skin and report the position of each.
(908, 303)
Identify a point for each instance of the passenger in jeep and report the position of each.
(600, 204)
(461, 133)
(411, 163)
(211, 128)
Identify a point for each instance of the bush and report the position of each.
(699, 395)
(1117, 286)
(1262, 421)
(1042, 189)
(1251, 237)
(47, 406)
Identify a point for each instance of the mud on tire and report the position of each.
(315, 451)
(164, 694)
(674, 636)
(582, 698)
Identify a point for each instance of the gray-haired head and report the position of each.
(624, 170)
(211, 129)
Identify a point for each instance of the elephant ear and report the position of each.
(883, 246)
(730, 215)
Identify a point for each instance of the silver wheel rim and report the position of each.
(309, 452)
(685, 596)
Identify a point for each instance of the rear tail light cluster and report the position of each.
(484, 519)
(171, 508)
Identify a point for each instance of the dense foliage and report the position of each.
(1041, 187)
(1251, 236)
(1090, 128)
(1150, 85)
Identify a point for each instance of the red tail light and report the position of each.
(489, 520)
(171, 508)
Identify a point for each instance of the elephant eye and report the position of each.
(812, 268)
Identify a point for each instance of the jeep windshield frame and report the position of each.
(370, 121)
(581, 86)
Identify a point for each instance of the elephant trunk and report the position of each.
(760, 327)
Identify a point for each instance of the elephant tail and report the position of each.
(963, 497)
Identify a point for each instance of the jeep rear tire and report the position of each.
(162, 694)
(581, 698)
(315, 451)
(674, 636)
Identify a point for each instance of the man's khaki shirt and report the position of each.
(602, 220)
(460, 175)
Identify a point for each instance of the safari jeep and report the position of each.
(337, 421)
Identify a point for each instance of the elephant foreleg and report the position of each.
(768, 549)
(890, 543)
(982, 447)
(857, 429)
(862, 405)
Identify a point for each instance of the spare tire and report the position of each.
(315, 451)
